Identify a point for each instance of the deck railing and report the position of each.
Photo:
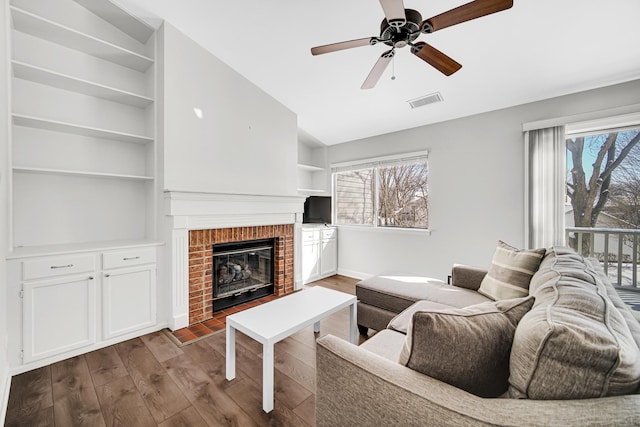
(615, 248)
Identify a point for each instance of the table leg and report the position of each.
(316, 327)
(231, 352)
(353, 324)
(267, 377)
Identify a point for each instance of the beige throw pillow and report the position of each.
(510, 272)
(468, 347)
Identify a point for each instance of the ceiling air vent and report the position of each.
(427, 99)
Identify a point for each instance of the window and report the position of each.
(389, 192)
(603, 183)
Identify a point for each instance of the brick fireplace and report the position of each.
(195, 221)
(201, 262)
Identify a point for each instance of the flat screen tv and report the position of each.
(317, 210)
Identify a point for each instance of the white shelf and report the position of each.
(56, 126)
(36, 74)
(310, 168)
(310, 190)
(49, 171)
(123, 21)
(43, 28)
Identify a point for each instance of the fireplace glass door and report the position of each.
(242, 271)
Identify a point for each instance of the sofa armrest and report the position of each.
(465, 276)
(356, 387)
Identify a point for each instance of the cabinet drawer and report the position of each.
(128, 258)
(310, 236)
(57, 266)
(329, 233)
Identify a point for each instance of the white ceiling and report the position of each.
(536, 50)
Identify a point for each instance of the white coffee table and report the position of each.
(273, 321)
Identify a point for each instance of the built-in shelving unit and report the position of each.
(312, 170)
(84, 155)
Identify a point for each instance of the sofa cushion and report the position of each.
(397, 291)
(467, 348)
(386, 343)
(401, 322)
(574, 343)
(510, 272)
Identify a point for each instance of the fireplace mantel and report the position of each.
(187, 211)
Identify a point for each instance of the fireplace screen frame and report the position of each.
(236, 255)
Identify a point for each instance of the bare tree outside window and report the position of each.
(402, 196)
(604, 176)
(386, 195)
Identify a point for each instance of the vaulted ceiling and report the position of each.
(535, 50)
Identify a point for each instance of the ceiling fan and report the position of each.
(402, 26)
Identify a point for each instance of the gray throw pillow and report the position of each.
(510, 272)
(468, 347)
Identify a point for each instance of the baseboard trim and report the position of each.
(5, 386)
(354, 274)
(20, 369)
(179, 322)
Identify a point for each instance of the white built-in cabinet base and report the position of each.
(319, 252)
(62, 305)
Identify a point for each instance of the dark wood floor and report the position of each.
(149, 381)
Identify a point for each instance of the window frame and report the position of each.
(375, 163)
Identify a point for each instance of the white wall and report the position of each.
(4, 206)
(476, 182)
(246, 141)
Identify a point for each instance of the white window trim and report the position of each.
(373, 160)
(627, 110)
(385, 230)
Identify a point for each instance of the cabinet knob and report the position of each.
(90, 277)
(107, 275)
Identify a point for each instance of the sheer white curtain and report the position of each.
(545, 180)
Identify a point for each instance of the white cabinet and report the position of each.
(319, 253)
(83, 152)
(59, 315)
(128, 300)
(74, 303)
(310, 256)
(329, 252)
(128, 291)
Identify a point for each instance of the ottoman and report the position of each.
(382, 297)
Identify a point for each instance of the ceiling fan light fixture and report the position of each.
(432, 98)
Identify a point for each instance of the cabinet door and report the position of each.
(59, 315)
(329, 257)
(310, 261)
(128, 300)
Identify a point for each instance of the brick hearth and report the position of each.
(201, 262)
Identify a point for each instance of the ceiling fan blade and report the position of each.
(394, 12)
(319, 50)
(466, 12)
(378, 69)
(435, 58)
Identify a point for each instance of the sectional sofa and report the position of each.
(563, 350)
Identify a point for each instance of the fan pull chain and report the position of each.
(393, 68)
